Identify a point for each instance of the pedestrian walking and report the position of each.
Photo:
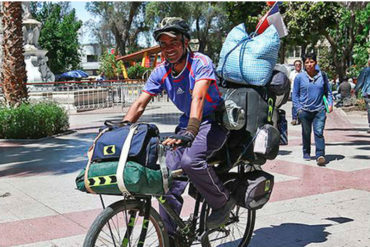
(363, 82)
(309, 89)
(293, 74)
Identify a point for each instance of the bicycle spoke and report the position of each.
(235, 232)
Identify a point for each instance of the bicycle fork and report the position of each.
(130, 220)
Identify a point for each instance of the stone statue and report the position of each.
(46, 74)
(26, 10)
(36, 35)
(31, 34)
(35, 57)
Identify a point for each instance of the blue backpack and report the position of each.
(143, 150)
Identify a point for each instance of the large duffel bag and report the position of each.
(108, 144)
(249, 60)
(102, 179)
(104, 175)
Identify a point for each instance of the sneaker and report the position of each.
(220, 216)
(320, 161)
(307, 157)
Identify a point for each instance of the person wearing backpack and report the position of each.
(190, 82)
(309, 90)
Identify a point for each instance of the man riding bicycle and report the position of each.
(190, 82)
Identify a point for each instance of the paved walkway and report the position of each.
(310, 205)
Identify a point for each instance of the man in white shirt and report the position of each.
(293, 74)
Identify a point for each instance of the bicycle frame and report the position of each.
(187, 230)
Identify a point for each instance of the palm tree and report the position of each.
(13, 74)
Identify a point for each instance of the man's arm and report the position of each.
(196, 110)
(137, 108)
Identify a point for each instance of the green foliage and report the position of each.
(325, 62)
(248, 13)
(136, 71)
(123, 19)
(59, 35)
(108, 64)
(30, 121)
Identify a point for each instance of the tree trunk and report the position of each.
(13, 68)
(282, 52)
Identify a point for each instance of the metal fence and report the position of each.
(89, 95)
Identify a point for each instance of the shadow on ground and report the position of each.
(332, 157)
(350, 143)
(346, 129)
(57, 155)
(285, 152)
(289, 234)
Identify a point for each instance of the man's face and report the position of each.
(310, 65)
(171, 47)
(298, 66)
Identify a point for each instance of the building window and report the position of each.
(92, 58)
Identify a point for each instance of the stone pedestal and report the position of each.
(73, 101)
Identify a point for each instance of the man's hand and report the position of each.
(184, 140)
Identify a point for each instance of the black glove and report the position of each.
(186, 138)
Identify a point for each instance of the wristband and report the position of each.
(193, 126)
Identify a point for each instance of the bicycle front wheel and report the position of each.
(123, 224)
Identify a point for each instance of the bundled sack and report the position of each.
(249, 60)
(108, 144)
(102, 179)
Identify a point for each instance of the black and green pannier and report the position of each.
(138, 179)
(124, 174)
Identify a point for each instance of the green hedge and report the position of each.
(30, 121)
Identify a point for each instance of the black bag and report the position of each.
(255, 101)
(279, 83)
(282, 125)
(253, 189)
(143, 149)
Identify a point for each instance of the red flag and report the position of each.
(272, 17)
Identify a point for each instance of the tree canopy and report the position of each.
(123, 19)
(341, 29)
(59, 34)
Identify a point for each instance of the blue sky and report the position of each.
(83, 15)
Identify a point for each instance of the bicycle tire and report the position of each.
(113, 220)
(238, 213)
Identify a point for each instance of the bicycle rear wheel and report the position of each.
(236, 232)
(122, 223)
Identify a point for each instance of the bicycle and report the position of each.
(134, 222)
